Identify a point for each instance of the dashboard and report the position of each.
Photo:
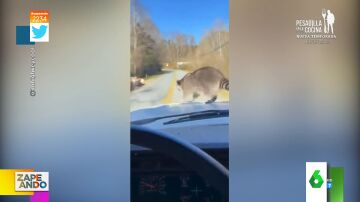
(155, 177)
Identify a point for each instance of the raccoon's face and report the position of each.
(178, 85)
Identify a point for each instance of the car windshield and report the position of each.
(179, 68)
(163, 89)
(179, 90)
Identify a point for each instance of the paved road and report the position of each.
(161, 90)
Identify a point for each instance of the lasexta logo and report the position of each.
(316, 180)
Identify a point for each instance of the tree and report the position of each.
(180, 48)
(213, 49)
(146, 42)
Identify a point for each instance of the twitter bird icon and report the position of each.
(39, 32)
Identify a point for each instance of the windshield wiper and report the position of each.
(207, 114)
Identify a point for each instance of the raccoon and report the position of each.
(204, 83)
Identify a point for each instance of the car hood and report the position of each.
(175, 109)
(206, 133)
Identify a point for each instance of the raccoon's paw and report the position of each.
(187, 99)
(211, 100)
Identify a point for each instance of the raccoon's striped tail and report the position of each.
(224, 84)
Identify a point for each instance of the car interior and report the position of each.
(166, 168)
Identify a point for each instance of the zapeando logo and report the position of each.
(38, 32)
(25, 182)
(32, 181)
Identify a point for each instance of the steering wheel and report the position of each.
(187, 154)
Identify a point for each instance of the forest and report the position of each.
(151, 52)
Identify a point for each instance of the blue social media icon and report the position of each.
(329, 185)
(39, 32)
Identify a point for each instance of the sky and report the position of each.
(193, 17)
